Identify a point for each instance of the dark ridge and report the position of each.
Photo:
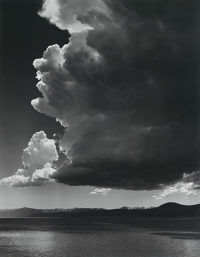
(166, 210)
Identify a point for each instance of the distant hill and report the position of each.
(165, 210)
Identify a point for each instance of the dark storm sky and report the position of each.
(24, 37)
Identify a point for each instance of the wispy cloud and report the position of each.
(188, 185)
(101, 191)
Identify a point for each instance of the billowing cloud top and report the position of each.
(38, 160)
(65, 14)
(125, 87)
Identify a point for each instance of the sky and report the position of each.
(99, 103)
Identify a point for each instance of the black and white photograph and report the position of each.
(99, 128)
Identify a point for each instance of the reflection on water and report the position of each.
(75, 238)
(179, 235)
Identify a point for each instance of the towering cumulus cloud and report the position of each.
(38, 160)
(125, 87)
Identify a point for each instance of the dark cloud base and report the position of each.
(164, 160)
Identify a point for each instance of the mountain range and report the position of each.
(166, 210)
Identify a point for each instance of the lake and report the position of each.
(99, 237)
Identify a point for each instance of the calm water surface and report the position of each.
(75, 237)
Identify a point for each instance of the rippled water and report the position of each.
(91, 238)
